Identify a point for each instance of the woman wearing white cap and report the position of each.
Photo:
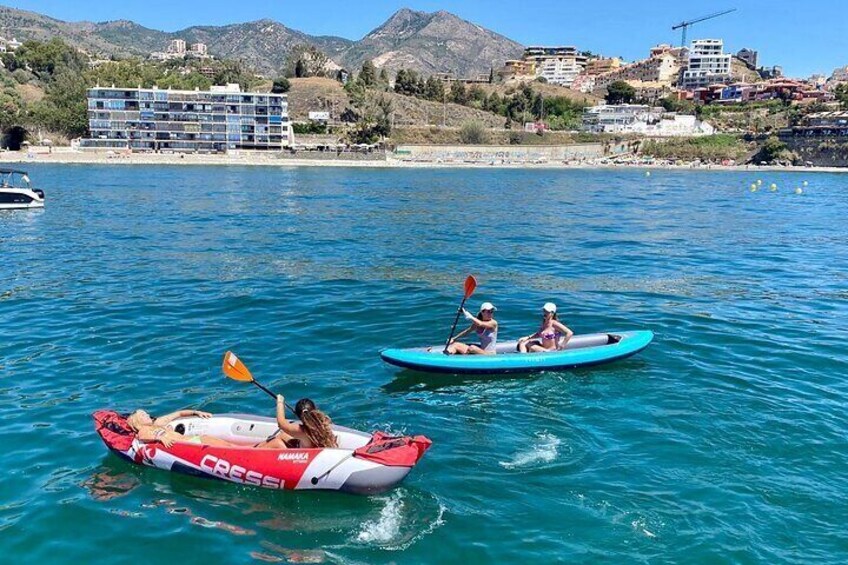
(487, 331)
(550, 334)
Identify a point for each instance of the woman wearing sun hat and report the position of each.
(487, 331)
(550, 334)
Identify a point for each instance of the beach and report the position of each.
(65, 155)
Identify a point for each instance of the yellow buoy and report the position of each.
(799, 191)
(647, 173)
(759, 182)
(753, 187)
(805, 183)
(773, 187)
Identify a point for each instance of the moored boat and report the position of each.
(363, 464)
(16, 192)
(580, 351)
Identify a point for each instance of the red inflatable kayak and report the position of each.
(363, 464)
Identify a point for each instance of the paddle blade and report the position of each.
(235, 369)
(470, 286)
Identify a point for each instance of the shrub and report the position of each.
(472, 133)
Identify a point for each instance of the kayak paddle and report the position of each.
(238, 371)
(470, 286)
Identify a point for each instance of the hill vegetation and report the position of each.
(425, 42)
(44, 84)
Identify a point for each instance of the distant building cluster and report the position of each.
(643, 119)
(7, 45)
(701, 72)
(179, 49)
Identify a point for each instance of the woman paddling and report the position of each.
(487, 331)
(548, 337)
(315, 429)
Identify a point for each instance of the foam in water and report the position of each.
(397, 527)
(387, 527)
(544, 450)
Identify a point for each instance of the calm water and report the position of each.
(725, 441)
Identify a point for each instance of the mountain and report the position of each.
(432, 42)
(425, 42)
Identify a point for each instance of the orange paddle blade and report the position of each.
(235, 369)
(470, 286)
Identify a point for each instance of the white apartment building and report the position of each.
(177, 47)
(559, 70)
(642, 119)
(199, 49)
(558, 65)
(708, 64)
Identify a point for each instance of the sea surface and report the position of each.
(726, 441)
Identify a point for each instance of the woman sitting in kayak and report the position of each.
(148, 429)
(549, 334)
(314, 430)
(487, 331)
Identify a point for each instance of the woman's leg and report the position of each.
(536, 348)
(279, 441)
(477, 350)
(458, 348)
(217, 442)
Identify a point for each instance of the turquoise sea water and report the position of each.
(725, 441)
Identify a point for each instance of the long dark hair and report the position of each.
(317, 425)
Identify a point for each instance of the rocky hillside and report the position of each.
(432, 42)
(426, 42)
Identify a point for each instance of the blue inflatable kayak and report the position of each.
(580, 351)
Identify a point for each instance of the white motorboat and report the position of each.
(16, 192)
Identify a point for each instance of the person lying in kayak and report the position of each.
(148, 429)
(487, 332)
(315, 429)
(550, 333)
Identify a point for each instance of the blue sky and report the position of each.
(804, 37)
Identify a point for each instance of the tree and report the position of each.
(841, 93)
(458, 93)
(473, 133)
(368, 74)
(280, 86)
(491, 75)
(407, 82)
(772, 149)
(384, 76)
(434, 89)
(620, 92)
(300, 68)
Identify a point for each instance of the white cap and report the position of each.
(487, 306)
(549, 307)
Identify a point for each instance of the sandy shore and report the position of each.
(62, 155)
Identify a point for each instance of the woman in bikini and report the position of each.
(549, 334)
(315, 429)
(148, 429)
(486, 328)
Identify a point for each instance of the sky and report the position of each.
(802, 37)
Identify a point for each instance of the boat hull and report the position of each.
(581, 351)
(352, 468)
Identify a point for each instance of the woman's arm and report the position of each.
(462, 333)
(168, 418)
(167, 437)
(490, 325)
(282, 422)
(564, 329)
